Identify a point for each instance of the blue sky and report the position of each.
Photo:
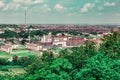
(60, 11)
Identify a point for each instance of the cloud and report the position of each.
(87, 6)
(14, 6)
(46, 8)
(29, 2)
(59, 7)
(23, 1)
(118, 14)
(38, 1)
(100, 13)
(1, 4)
(100, 8)
(109, 4)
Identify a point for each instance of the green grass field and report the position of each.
(14, 70)
(20, 53)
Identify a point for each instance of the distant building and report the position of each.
(60, 41)
(47, 39)
(15, 46)
(2, 39)
(68, 41)
(6, 48)
(33, 46)
(75, 41)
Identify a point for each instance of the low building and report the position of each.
(6, 48)
(33, 46)
(73, 43)
(15, 46)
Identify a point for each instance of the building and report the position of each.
(75, 41)
(60, 41)
(47, 39)
(15, 46)
(6, 48)
(68, 41)
(33, 46)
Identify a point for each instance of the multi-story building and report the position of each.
(60, 41)
(47, 39)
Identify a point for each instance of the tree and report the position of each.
(23, 41)
(111, 45)
(35, 65)
(47, 56)
(98, 67)
(3, 61)
(79, 55)
(59, 69)
(15, 59)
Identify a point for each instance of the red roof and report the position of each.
(46, 43)
(62, 37)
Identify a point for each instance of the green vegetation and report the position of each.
(78, 63)
(11, 70)
(20, 53)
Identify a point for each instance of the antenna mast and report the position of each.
(26, 24)
(25, 17)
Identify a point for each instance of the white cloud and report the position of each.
(59, 7)
(1, 4)
(100, 13)
(100, 8)
(14, 6)
(38, 1)
(109, 4)
(29, 2)
(45, 5)
(46, 8)
(118, 14)
(87, 6)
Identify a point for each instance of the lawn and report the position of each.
(20, 53)
(93, 36)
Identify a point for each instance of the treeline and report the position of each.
(24, 34)
(15, 60)
(8, 25)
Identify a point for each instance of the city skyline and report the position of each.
(60, 11)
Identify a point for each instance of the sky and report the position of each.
(60, 11)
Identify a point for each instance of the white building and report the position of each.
(47, 38)
(60, 41)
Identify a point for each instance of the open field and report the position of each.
(20, 53)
